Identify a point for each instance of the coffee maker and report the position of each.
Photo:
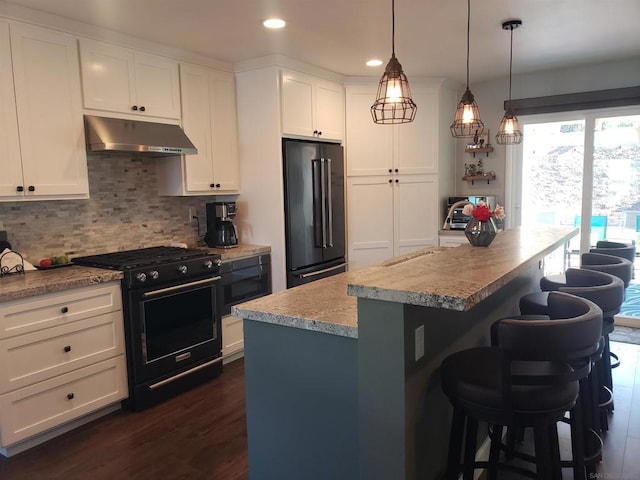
(221, 232)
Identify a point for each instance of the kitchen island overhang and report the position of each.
(365, 406)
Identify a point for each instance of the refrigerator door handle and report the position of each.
(320, 272)
(318, 197)
(323, 199)
(329, 204)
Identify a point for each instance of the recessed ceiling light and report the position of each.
(374, 63)
(274, 23)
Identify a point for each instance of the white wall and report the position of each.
(491, 95)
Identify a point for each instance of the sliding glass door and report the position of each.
(579, 169)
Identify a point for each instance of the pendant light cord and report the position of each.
(468, 33)
(510, 64)
(393, 27)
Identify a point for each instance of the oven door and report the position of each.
(244, 279)
(173, 328)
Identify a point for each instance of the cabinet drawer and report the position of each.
(34, 409)
(24, 316)
(30, 358)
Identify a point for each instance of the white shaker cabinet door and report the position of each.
(416, 212)
(369, 146)
(417, 141)
(329, 110)
(108, 76)
(157, 86)
(297, 104)
(10, 161)
(370, 219)
(49, 106)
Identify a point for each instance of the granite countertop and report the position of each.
(242, 250)
(17, 285)
(449, 278)
(322, 306)
(459, 278)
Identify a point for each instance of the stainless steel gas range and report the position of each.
(172, 302)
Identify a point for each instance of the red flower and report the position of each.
(482, 213)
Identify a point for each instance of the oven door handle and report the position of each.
(175, 288)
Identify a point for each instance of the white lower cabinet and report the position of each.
(390, 216)
(232, 338)
(62, 356)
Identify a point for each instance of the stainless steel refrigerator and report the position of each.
(314, 210)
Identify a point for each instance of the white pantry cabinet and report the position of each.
(125, 81)
(62, 356)
(209, 120)
(409, 148)
(396, 174)
(44, 118)
(311, 107)
(390, 216)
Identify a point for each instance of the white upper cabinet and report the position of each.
(52, 158)
(409, 148)
(209, 120)
(312, 107)
(10, 161)
(121, 80)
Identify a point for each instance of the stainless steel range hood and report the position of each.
(135, 138)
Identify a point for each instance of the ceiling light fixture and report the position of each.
(274, 23)
(509, 132)
(393, 102)
(373, 63)
(467, 121)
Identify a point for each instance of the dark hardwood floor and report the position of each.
(201, 434)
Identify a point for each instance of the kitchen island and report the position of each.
(342, 374)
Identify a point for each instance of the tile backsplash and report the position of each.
(124, 212)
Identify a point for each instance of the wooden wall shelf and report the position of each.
(474, 178)
(479, 150)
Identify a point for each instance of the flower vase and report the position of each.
(480, 233)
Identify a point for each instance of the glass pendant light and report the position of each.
(467, 121)
(393, 102)
(509, 132)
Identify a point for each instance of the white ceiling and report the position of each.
(340, 35)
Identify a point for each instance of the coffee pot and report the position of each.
(221, 231)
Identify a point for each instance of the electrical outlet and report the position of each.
(192, 213)
(419, 339)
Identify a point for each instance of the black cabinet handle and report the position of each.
(70, 396)
(31, 188)
(217, 185)
(142, 109)
(390, 170)
(134, 108)
(319, 132)
(396, 170)
(397, 180)
(212, 185)
(20, 188)
(67, 348)
(315, 132)
(64, 309)
(390, 181)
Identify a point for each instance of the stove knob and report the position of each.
(208, 264)
(182, 269)
(218, 262)
(154, 274)
(141, 277)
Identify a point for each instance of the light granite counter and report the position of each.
(17, 285)
(449, 278)
(241, 251)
